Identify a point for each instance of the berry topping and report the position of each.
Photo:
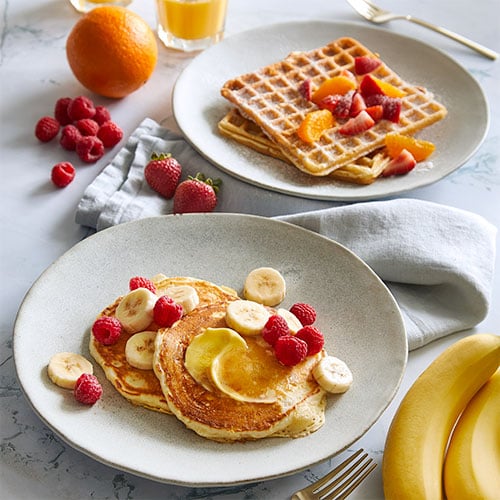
(62, 174)
(90, 149)
(305, 313)
(357, 104)
(376, 112)
(70, 135)
(87, 390)
(107, 330)
(166, 311)
(344, 103)
(400, 165)
(290, 350)
(141, 282)
(275, 327)
(306, 89)
(312, 337)
(61, 110)
(366, 64)
(360, 123)
(81, 107)
(110, 134)
(196, 194)
(46, 128)
(87, 126)
(102, 115)
(162, 173)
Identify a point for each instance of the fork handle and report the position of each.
(455, 36)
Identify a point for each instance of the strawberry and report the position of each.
(391, 106)
(162, 174)
(360, 123)
(402, 164)
(196, 194)
(357, 104)
(376, 112)
(365, 64)
(329, 102)
(343, 107)
(306, 89)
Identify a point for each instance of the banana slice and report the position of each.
(291, 320)
(246, 317)
(140, 349)
(135, 310)
(185, 295)
(65, 368)
(202, 350)
(332, 374)
(265, 285)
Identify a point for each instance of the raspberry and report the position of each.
(110, 134)
(140, 282)
(275, 327)
(107, 330)
(290, 350)
(87, 390)
(87, 126)
(81, 107)
(61, 110)
(313, 338)
(62, 174)
(166, 311)
(89, 149)
(102, 115)
(46, 128)
(305, 313)
(70, 135)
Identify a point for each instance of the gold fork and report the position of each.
(377, 15)
(331, 487)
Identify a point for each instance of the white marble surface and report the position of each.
(37, 222)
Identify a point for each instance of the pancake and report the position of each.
(298, 406)
(141, 387)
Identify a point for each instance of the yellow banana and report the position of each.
(472, 464)
(412, 466)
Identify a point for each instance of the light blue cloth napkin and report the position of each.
(437, 261)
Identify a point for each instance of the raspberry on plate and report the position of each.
(70, 136)
(87, 390)
(107, 330)
(290, 350)
(81, 107)
(90, 149)
(166, 311)
(47, 128)
(62, 174)
(305, 313)
(141, 282)
(110, 134)
(61, 110)
(275, 327)
(312, 337)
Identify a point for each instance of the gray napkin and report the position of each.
(437, 261)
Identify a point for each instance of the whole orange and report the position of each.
(112, 51)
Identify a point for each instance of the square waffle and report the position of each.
(363, 170)
(270, 97)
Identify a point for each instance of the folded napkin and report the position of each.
(437, 261)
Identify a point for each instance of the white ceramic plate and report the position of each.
(198, 106)
(361, 321)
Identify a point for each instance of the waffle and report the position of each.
(270, 98)
(363, 170)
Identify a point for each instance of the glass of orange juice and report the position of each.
(190, 25)
(87, 5)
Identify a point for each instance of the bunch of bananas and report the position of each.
(444, 440)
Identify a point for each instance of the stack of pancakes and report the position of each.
(169, 388)
(269, 109)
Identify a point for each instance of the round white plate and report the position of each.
(360, 319)
(198, 106)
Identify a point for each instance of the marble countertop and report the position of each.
(37, 223)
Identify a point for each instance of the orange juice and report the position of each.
(192, 20)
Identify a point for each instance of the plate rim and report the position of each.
(170, 480)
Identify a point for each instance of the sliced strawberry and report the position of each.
(343, 107)
(365, 64)
(306, 89)
(400, 165)
(329, 102)
(376, 112)
(357, 104)
(391, 105)
(349, 74)
(360, 123)
(369, 86)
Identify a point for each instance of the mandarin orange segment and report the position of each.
(420, 149)
(337, 85)
(388, 89)
(314, 124)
